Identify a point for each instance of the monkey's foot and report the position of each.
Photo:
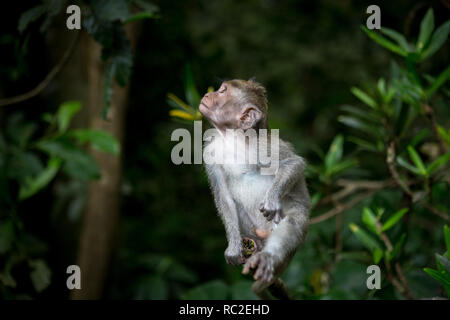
(263, 265)
(234, 256)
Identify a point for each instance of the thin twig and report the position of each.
(429, 113)
(331, 213)
(41, 86)
(390, 156)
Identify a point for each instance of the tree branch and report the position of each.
(41, 86)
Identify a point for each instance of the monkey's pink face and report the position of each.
(219, 107)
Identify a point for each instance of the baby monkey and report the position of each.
(270, 209)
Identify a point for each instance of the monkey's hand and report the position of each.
(271, 208)
(233, 255)
(263, 265)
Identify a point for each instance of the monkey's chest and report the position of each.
(248, 187)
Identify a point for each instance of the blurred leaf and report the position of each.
(241, 290)
(151, 288)
(417, 160)
(213, 290)
(426, 28)
(181, 114)
(447, 239)
(369, 219)
(445, 263)
(65, 113)
(192, 95)
(384, 42)
(398, 246)
(335, 151)
(365, 238)
(41, 274)
(7, 235)
(397, 37)
(364, 144)
(377, 255)
(77, 163)
(441, 79)
(394, 219)
(33, 185)
(437, 40)
(405, 164)
(342, 166)
(442, 277)
(29, 16)
(111, 10)
(419, 137)
(445, 135)
(362, 113)
(360, 125)
(439, 162)
(99, 140)
(364, 97)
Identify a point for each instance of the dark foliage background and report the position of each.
(169, 241)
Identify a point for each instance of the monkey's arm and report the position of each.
(228, 213)
(289, 172)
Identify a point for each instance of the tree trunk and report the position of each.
(102, 212)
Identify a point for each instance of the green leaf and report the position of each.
(439, 162)
(99, 140)
(394, 219)
(192, 95)
(364, 144)
(365, 238)
(65, 113)
(41, 275)
(342, 166)
(77, 163)
(397, 37)
(417, 160)
(426, 28)
(364, 114)
(441, 79)
(335, 151)
(405, 164)
(447, 239)
(377, 255)
(437, 40)
(369, 219)
(29, 16)
(33, 185)
(444, 134)
(360, 125)
(140, 16)
(419, 137)
(398, 245)
(445, 263)
(7, 236)
(384, 42)
(442, 277)
(364, 97)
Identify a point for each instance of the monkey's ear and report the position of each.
(250, 117)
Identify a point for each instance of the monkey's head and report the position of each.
(238, 104)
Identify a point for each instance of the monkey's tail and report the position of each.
(279, 290)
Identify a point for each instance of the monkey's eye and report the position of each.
(223, 89)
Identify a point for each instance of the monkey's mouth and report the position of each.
(201, 103)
